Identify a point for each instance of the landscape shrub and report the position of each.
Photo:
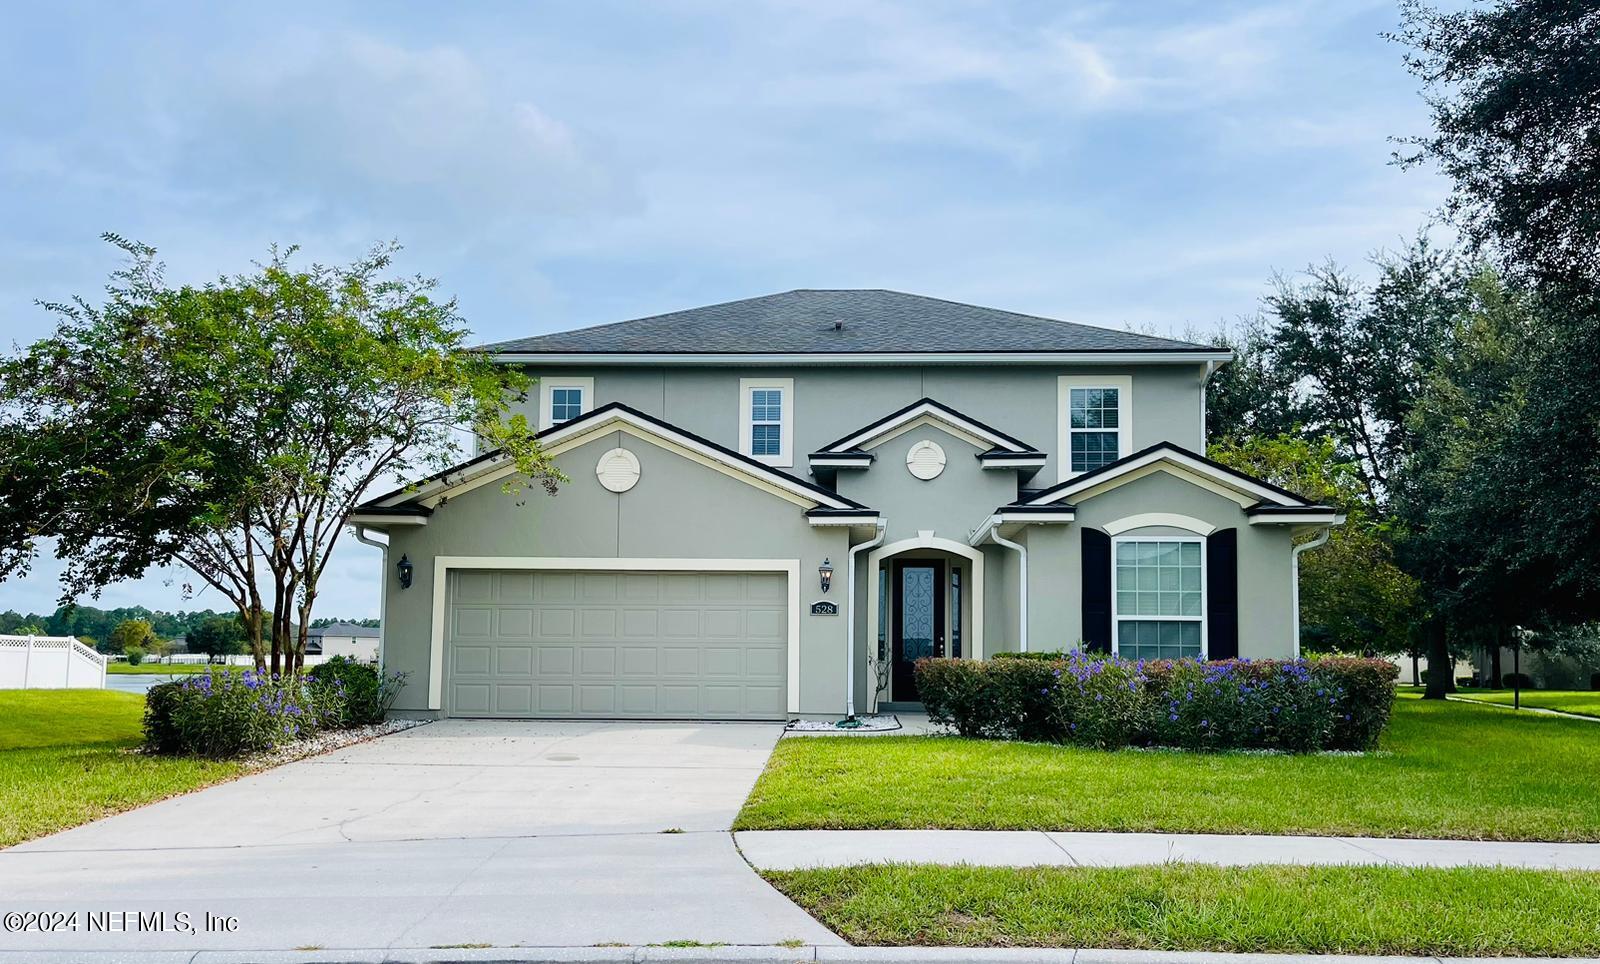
(361, 693)
(134, 654)
(1521, 681)
(1103, 702)
(225, 714)
(1594, 682)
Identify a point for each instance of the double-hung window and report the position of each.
(766, 422)
(562, 399)
(766, 419)
(1094, 421)
(1159, 597)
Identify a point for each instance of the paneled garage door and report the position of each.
(650, 645)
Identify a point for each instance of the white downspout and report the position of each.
(1022, 602)
(1294, 584)
(1211, 368)
(383, 588)
(850, 629)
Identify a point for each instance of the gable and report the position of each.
(1170, 459)
(492, 468)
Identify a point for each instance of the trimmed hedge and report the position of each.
(1337, 703)
(226, 714)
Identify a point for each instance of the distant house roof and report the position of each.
(345, 629)
(841, 322)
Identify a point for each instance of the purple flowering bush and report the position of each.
(1104, 702)
(224, 714)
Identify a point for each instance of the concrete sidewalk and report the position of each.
(750, 954)
(799, 849)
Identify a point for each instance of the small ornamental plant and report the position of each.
(224, 714)
(1297, 706)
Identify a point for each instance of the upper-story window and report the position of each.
(1095, 421)
(766, 419)
(562, 399)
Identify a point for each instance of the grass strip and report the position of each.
(1474, 911)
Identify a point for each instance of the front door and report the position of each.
(918, 621)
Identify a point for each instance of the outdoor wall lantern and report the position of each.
(825, 571)
(405, 567)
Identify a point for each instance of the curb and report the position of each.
(736, 954)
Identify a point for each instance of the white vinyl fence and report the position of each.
(49, 662)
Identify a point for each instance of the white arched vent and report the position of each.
(925, 460)
(618, 470)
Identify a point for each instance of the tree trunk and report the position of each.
(1496, 677)
(1438, 661)
(1416, 674)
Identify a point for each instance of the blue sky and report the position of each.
(558, 165)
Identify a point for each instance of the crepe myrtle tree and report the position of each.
(232, 427)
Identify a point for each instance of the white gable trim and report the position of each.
(926, 413)
(1183, 465)
(1170, 519)
(585, 428)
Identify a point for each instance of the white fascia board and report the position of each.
(840, 462)
(383, 520)
(1298, 519)
(1196, 466)
(866, 358)
(871, 436)
(588, 425)
(1018, 462)
(865, 519)
(1029, 518)
(981, 534)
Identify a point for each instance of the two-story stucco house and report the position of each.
(777, 505)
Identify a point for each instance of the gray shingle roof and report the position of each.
(345, 629)
(874, 320)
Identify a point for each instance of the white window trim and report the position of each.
(785, 456)
(1064, 386)
(1205, 588)
(549, 384)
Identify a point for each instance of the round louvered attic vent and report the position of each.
(618, 470)
(925, 460)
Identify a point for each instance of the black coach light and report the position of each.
(405, 567)
(825, 571)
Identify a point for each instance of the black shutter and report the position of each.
(1095, 557)
(1222, 594)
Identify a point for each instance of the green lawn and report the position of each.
(1581, 702)
(1324, 910)
(64, 760)
(1444, 770)
(167, 669)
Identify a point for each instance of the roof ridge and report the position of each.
(1032, 317)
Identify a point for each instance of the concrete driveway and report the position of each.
(459, 832)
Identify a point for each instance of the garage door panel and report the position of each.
(472, 660)
(597, 661)
(640, 661)
(472, 621)
(617, 644)
(557, 660)
(768, 624)
(513, 661)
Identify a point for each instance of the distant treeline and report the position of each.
(98, 623)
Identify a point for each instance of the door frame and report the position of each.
(941, 591)
(972, 642)
(440, 590)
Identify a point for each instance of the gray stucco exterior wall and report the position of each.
(1266, 615)
(678, 510)
(829, 402)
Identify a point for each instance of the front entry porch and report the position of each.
(924, 599)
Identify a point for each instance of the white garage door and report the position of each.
(648, 645)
